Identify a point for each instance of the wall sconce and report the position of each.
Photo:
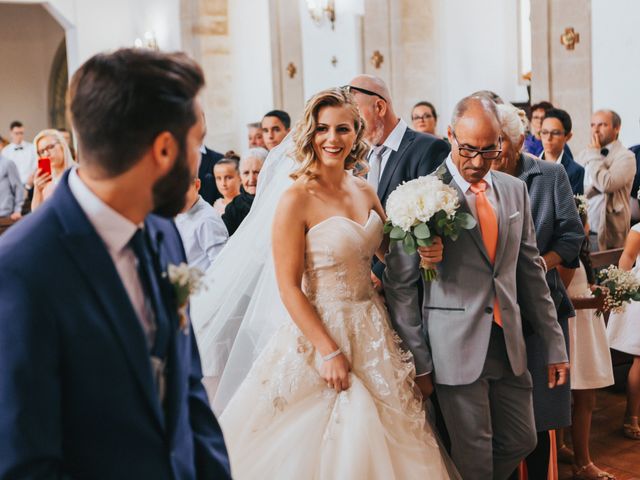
(149, 41)
(319, 10)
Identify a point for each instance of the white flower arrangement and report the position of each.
(185, 280)
(581, 204)
(621, 288)
(420, 209)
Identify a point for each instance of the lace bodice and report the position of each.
(338, 259)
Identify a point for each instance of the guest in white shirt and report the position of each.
(22, 153)
(202, 230)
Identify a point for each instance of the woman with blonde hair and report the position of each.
(331, 395)
(50, 144)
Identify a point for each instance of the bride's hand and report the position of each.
(433, 253)
(336, 373)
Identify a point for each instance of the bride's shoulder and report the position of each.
(294, 200)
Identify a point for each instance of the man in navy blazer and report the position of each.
(100, 374)
(208, 189)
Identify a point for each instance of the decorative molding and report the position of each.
(569, 38)
(291, 70)
(377, 59)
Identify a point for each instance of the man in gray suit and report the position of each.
(468, 338)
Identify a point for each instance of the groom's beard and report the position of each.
(169, 193)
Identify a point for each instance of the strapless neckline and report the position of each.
(346, 219)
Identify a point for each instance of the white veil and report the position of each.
(241, 307)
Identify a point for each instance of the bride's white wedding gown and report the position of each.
(285, 423)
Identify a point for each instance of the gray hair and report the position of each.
(257, 152)
(511, 122)
(463, 105)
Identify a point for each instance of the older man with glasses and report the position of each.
(398, 153)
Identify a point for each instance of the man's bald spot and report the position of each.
(373, 84)
(476, 106)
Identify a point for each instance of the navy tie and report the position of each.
(149, 278)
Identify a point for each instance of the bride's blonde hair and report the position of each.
(306, 128)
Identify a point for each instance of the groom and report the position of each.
(100, 377)
(468, 338)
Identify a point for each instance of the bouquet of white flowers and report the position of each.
(420, 209)
(621, 288)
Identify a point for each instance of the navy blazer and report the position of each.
(575, 172)
(77, 397)
(419, 154)
(208, 189)
(636, 180)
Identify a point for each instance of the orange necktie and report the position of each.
(489, 229)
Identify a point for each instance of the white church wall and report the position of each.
(29, 39)
(615, 67)
(476, 50)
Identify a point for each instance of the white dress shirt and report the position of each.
(392, 144)
(116, 231)
(24, 156)
(558, 160)
(466, 189)
(203, 234)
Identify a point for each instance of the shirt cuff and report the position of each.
(423, 374)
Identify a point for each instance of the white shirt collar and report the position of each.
(393, 140)
(558, 160)
(203, 149)
(462, 183)
(114, 229)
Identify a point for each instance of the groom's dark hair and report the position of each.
(120, 102)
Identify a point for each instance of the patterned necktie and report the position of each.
(489, 229)
(375, 162)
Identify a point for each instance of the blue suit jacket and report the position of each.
(208, 189)
(575, 172)
(77, 398)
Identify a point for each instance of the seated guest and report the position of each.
(227, 177)
(66, 134)
(590, 361)
(250, 166)
(255, 135)
(555, 133)
(52, 145)
(201, 228)
(532, 142)
(11, 193)
(609, 172)
(275, 126)
(559, 236)
(424, 117)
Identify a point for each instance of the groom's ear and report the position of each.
(164, 152)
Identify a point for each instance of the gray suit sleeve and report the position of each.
(401, 279)
(533, 292)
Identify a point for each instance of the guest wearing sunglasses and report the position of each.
(49, 144)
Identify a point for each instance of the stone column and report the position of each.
(561, 75)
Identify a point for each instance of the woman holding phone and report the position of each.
(54, 157)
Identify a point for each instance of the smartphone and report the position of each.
(44, 164)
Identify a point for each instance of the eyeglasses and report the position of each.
(467, 152)
(551, 133)
(45, 150)
(424, 117)
(350, 88)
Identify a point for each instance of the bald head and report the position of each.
(474, 134)
(373, 84)
(373, 98)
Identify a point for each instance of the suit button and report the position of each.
(488, 310)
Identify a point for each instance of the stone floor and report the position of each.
(609, 449)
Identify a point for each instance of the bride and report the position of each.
(330, 394)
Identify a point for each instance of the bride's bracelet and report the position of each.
(332, 355)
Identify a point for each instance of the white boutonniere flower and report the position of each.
(186, 281)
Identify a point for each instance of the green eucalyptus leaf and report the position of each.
(409, 244)
(424, 242)
(397, 233)
(388, 227)
(422, 231)
(465, 220)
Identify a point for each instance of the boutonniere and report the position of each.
(440, 172)
(185, 280)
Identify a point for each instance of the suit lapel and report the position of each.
(464, 207)
(395, 159)
(92, 259)
(176, 352)
(503, 220)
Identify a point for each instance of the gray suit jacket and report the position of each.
(451, 336)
